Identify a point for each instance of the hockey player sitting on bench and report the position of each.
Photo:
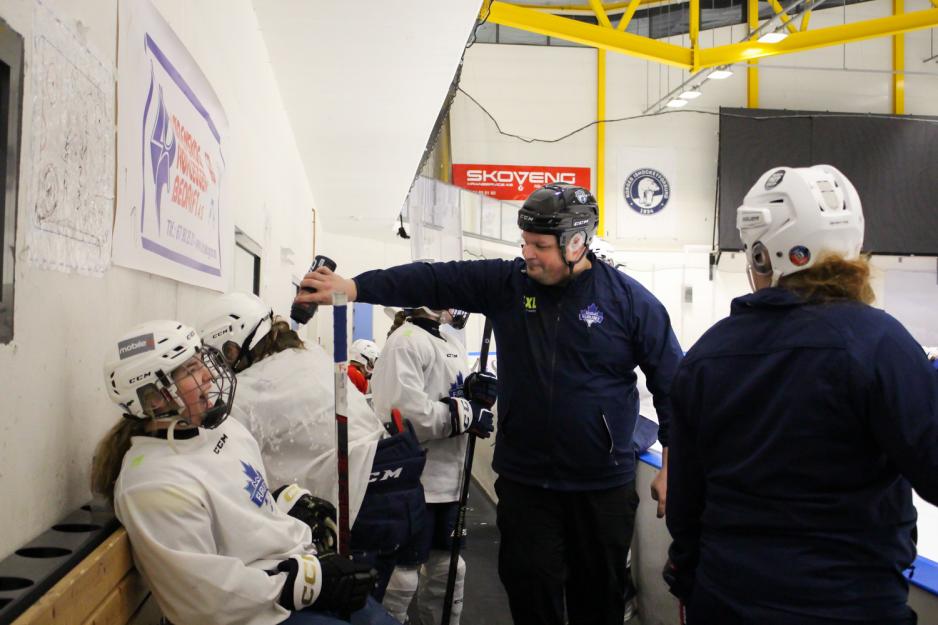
(189, 486)
(286, 399)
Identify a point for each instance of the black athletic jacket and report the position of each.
(567, 402)
(797, 430)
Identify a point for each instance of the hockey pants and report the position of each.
(393, 514)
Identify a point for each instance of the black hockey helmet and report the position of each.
(562, 210)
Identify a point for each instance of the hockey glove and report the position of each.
(482, 387)
(345, 584)
(680, 583)
(318, 514)
(469, 416)
(304, 581)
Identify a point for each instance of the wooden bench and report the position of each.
(103, 589)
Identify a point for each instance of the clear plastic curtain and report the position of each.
(435, 221)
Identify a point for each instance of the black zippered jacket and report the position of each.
(567, 402)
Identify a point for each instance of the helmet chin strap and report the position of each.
(571, 264)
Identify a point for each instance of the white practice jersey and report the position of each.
(204, 528)
(287, 401)
(415, 371)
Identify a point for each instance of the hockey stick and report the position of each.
(460, 529)
(340, 352)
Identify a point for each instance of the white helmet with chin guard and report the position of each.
(365, 352)
(145, 370)
(242, 319)
(793, 215)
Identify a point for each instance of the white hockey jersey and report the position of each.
(204, 528)
(287, 401)
(417, 369)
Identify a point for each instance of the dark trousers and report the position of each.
(560, 545)
(707, 609)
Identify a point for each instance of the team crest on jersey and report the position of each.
(256, 486)
(455, 389)
(590, 315)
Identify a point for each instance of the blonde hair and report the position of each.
(279, 338)
(833, 278)
(109, 455)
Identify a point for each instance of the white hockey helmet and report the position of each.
(239, 318)
(453, 317)
(152, 359)
(366, 352)
(603, 250)
(792, 215)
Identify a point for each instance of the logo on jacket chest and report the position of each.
(530, 303)
(590, 315)
(256, 486)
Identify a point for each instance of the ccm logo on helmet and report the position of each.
(142, 376)
(221, 332)
(519, 177)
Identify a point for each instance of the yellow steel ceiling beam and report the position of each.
(898, 64)
(752, 71)
(600, 193)
(601, 16)
(819, 38)
(807, 18)
(627, 17)
(780, 12)
(607, 6)
(694, 26)
(589, 35)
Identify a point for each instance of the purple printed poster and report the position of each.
(172, 217)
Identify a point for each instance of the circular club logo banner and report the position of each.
(647, 191)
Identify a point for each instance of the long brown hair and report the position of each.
(109, 455)
(833, 278)
(399, 318)
(279, 338)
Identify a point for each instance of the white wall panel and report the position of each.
(53, 408)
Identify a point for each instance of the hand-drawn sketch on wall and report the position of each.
(71, 184)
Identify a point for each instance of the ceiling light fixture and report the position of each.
(690, 94)
(676, 103)
(720, 73)
(773, 37)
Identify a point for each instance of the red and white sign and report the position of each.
(515, 182)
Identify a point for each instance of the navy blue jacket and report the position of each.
(797, 431)
(567, 402)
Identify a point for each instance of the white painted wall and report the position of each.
(363, 83)
(52, 405)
